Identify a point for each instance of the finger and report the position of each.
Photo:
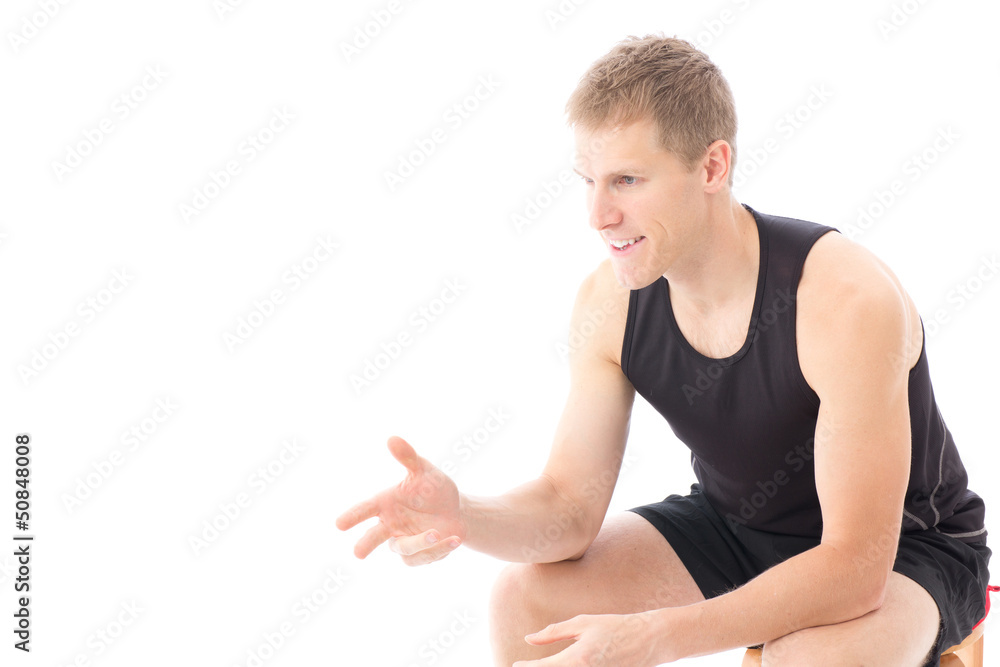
(407, 545)
(433, 553)
(555, 632)
(375, 536)
(357, 514)
(405, 454)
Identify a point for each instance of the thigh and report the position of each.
(630, 567)
(716, 557)
(899, 633)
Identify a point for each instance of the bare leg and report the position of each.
(900, 632)
(629, 568)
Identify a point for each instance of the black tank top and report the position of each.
(750, 419)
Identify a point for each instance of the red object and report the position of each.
(989, 589)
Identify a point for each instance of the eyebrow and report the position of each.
(626, 170)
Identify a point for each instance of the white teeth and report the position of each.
(622, 244)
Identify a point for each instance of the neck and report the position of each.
(721, 270)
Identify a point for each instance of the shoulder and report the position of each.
(850, 303)
(601, 285)
(600, 312)
(838, 267)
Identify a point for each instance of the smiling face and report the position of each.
(639, 192)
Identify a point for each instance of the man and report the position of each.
(831, 522)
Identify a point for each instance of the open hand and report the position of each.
(420, 516)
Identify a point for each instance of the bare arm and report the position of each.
(557, 516)
(553, 517)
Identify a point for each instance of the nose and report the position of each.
(603, 210)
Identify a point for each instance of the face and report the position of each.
(639, 193)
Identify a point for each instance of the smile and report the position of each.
(624, 245)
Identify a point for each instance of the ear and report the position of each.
(717, 163)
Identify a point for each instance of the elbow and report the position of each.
(871, 594)
(571, 527)
(876, 595)
(876, 584)
(867, 581)
(567, 547)
(864, 600)
(580, 542)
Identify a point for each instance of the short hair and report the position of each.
(664, 79)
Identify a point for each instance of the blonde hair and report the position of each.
(664, 79)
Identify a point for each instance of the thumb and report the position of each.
(554, 633)
(405, 454)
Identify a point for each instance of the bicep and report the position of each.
(862, 469)
(589, 441)
(862, 447)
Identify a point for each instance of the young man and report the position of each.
(831, 506)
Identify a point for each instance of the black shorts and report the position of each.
(721, 557)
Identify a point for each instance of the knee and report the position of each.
(518, 590)
(804, 649)
(789, 650)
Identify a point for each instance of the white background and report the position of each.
(191, 281)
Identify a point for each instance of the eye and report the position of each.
(630, 180)
(586, 180)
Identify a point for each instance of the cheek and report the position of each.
(640, 209)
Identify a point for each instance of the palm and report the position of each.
(425, 502)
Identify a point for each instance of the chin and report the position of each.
(633, 280)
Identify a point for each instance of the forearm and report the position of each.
(821, 586)
(532, 523)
